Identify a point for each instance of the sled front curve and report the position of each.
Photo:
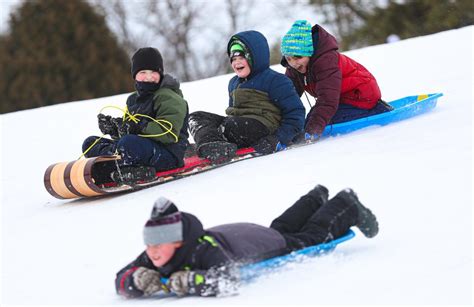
(74, 179)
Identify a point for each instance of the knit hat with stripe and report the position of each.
(165, 224)
(298, 41)
(238, 48)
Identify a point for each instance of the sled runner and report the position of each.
(91, 176)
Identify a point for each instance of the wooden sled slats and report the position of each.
(54, 181)
(74, 179)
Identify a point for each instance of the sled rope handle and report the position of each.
(90, 147)
(133, 117)
(307, 99)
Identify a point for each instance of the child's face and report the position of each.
(148, 76)
(300, 63)
(160, 254)
(240, 66)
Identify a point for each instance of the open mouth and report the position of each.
(239, 68)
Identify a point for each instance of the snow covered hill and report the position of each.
(416, 175)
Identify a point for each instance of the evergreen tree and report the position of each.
(412, 18)
(359, 23)
(58, 51)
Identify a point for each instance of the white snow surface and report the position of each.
(416, 176)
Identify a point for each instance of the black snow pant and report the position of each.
(207, 127)
(312, 221)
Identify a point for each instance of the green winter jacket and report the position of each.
(255, 104)
(168, 106)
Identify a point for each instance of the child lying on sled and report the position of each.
(205, 262)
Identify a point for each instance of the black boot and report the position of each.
(320, 193)
(191, 150)
(130, 175)
(295, 217)
(366, 220)
(218, 152)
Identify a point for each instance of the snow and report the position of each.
(416, 175)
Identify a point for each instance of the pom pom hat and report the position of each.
(165, 224)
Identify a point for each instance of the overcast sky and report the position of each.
(5, 8)
(276, 22)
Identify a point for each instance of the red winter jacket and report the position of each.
(332, 78)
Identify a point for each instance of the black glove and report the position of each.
(130, 127)
(107, 125)
(268, 144)
(148, 280)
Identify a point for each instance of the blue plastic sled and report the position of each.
(251, 271)
(403, 108)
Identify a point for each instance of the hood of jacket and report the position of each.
(170, 82)
(192, 231)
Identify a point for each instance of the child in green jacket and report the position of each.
(153, 134)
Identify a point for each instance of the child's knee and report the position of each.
(197, 114)
(88, 142)
(129, 140)
(230, 126)
(133, 149)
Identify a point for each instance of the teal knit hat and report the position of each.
(298, 41)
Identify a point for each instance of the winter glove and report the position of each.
(117, 121)
(185, 282)
(305, 137)
(312, 126)
(178, 282)
(130, 127)
(268, 144)
(148, 281)
(107, 125)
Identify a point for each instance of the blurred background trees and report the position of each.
(191, 34)
(59, 51)
(62, 50)
(359, 23)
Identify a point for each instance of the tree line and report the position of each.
(64, 50)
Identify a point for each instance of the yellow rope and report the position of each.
(133, 117)
(90, 147)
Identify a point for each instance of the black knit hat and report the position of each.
(165, 224)
(147, 59)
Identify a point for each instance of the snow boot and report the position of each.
(366, 220)
(130, 175)
(191, 150)
(320, 193)
(218, 152)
